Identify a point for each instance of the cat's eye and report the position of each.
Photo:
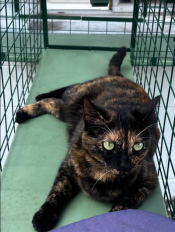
(108, 145)
(138, 146)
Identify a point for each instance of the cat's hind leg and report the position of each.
(46, 106)
(52, 94)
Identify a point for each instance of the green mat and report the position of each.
(40, 145)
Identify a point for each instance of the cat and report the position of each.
(113, 134)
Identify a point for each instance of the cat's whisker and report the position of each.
(107, 128)
(100, 127)
(148, 127)
(148, 138)
(99, 179)
(147, 161)
(142, 165)
(146, 131)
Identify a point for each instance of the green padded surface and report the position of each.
(40, 145)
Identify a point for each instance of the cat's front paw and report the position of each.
(122, 203)
(118, 208)
(22, 116)
(44, 219)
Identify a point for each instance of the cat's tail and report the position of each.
(116, 61)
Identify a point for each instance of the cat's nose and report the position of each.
(124, 162)
(125, 165)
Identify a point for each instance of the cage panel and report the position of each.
(20, 54)
(153, 58)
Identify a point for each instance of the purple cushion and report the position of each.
(122, 221)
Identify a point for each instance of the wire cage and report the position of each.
(20, 53)
(153, 60)
(96, 28)
(27, 28)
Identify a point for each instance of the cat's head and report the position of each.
(118, 139)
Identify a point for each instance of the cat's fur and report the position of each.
(109, 108)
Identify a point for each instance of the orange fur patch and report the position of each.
(115, 137)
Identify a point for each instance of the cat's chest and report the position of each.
(100, 190)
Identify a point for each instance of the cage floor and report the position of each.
(40, 145)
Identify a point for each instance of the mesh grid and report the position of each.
(153, 60)
(86, 25)
(20, 54)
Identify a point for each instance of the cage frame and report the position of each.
(137, 61)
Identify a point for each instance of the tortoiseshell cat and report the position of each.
(113, 134)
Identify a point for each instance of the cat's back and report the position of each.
(106, 89)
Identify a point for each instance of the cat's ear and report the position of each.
(150, 105)
(90, 112)
(146, 108)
